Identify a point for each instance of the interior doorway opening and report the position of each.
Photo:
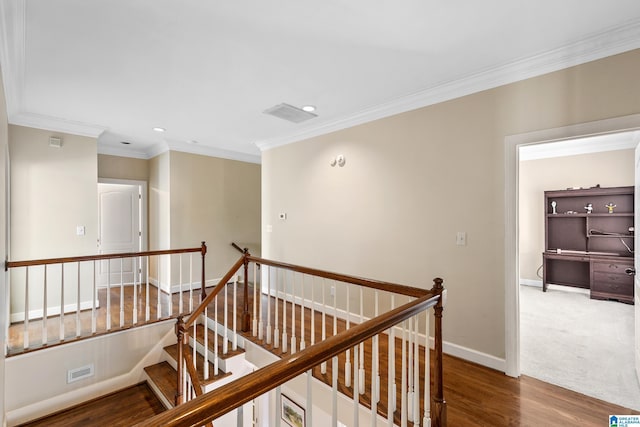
(122, 220)
(566, 336)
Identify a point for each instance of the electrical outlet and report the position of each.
(461, 238)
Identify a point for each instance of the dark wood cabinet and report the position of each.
(587, 244)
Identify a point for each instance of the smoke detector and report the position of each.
(289, 113)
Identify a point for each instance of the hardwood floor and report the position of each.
(475, 395)
(124, 408)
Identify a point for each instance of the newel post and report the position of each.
(182, 336)
(246, 317)
(439, 404)
(203, 292)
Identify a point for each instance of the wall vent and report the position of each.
(289, 113)
(55, 142)
(79, 373)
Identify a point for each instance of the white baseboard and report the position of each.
(195, 285)
(530, 282)
(52, 311)
(472, 355)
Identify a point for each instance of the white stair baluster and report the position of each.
(61, 302)
(234, 345)
(410, 370)
(25, 341)
(44, 308)
(323, 365)
(276, 331)
(302, 315)
(135, 293)
(93, 300)
(206, 344)
(216, 357)
(347, 363)
(361, 371)
(284, 312)
(416, 374)
(293, 312)
(225, 336)
(403, 374)
(158, 289)
(121, 292)
(426, 419)
(334, 391)
(78, 302)
(147, 306)
(180, 284)
(268, 340)
(254, 329)
(356, 396)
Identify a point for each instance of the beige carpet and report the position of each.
(578, 343)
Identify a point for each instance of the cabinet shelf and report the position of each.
(586, 215)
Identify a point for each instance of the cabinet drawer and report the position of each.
(612, 283)
(611, 266)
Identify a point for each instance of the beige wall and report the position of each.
(217, 201)
(609, 169)
(117, 167)
(53, 190)
(4, 148)
(413, 180)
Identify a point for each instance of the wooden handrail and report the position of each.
(66, 260)
(212, 405)
(375, 284)
(207, 300)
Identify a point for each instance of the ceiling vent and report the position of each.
(289, 113)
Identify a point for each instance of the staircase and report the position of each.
(344, 346)
(162, 376)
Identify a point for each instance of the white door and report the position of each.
(119, 231)
(636, 281)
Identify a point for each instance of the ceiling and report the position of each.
(207, 70)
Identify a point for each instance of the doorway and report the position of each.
(512, 267)
(122, 229)
(579, 331)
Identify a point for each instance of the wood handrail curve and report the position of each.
(212, 405)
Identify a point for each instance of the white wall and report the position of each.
(413, 180)
(609, 169)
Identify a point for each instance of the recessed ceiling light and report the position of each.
(159, 129)
(309, 108)
(125, 143)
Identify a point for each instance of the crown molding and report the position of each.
(206, 150)
(165, 146)
(122, 152)
(56, 124)
(613, 41)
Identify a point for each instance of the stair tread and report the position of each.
(211, 336)
(172, 351)
(165, 378)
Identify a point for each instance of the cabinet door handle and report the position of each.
(630, 271)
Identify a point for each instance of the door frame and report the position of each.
(512, 143)
(143, 204)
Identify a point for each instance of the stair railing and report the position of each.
(277, 322)
(58, 300)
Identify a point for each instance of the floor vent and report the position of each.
(79, 373)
